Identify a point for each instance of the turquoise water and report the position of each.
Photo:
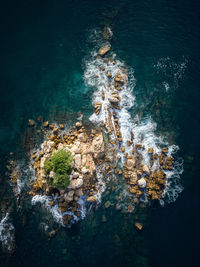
(43, 50)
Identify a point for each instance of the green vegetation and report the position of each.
(61, 164)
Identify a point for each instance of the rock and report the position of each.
(61, 126)
(133, 177)
(85, 170)
(107, 33)
(123, 149)
(77, 161)
(150, 150)
(114, 98)
(55, 130)
(132, 190)
(97, 147)
(69, 196)
(97, 107)
(75, 175)
(131, 208)
(40, 119)
(76, 183)
(142, 183)
(146, 169)
(78, 124)
(66, 219)
(31, 123)
(91, 199)
(46, 124)
(122, 78)
(139, 226)
(104, 50)
(130, 163)
(82, 137)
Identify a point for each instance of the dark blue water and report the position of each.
(42, 49)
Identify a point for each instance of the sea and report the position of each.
(47, 68)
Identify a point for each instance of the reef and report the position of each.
(104, 149)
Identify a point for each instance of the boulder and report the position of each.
(75, 175)
(146, 169)
(97, 147)
(122, 78)
(76, 183)
(150, 150)
(82, 137)
(77, 161)
(104, 50)
(142, 183)
(114, 98)
(97, 107)
(130, 163)
(85, 170)
(91, 199)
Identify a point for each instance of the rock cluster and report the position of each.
(87, 149)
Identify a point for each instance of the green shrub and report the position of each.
(61, 164)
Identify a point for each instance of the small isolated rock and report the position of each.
(85, 170)
(142, 183)
(104, 50)
(46, 124)
(31, 123)
(91, 199)
(139, 226)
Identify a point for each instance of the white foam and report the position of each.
(54, 210)
(7, 233)
(144, 130)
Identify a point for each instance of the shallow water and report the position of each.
(43, 53)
